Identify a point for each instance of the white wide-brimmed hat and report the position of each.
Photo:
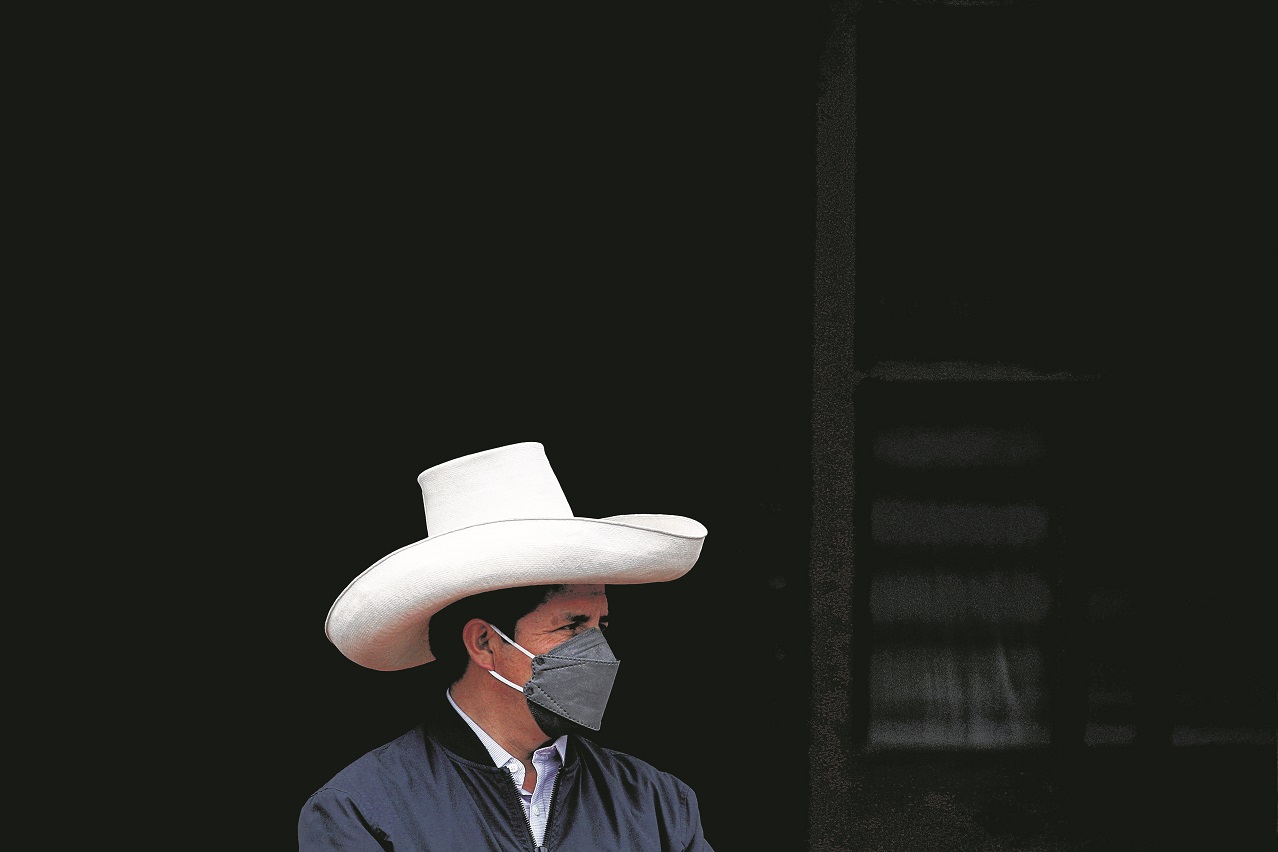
(494, 520)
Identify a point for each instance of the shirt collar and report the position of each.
(499, 755)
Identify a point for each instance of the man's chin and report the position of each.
(553, 725)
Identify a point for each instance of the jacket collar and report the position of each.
(446, 727)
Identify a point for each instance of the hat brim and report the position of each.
(380, 620)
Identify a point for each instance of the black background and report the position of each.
(412, 238)
(324, 251)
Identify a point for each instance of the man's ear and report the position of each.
(478, 638)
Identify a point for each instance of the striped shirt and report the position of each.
(545, 760)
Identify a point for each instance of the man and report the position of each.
(509, 592)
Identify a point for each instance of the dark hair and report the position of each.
(502, 607)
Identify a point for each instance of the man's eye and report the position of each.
(579, 625)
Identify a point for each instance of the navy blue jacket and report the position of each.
(435, 789)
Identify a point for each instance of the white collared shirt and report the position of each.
(546, 761)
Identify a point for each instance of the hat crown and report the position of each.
(501, 484)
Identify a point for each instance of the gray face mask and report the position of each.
(572, 680)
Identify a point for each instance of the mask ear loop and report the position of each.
(509, 641)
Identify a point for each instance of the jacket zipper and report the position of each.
(532, 840)
(550, 810)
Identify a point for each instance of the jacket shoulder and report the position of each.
(662, 804)
(630, 769)
(384, 765)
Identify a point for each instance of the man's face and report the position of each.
(573, 610)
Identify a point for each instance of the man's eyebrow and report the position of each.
(579, 618)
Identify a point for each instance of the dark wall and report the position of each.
(322, 252)
(1047, 190)
(1053, 220)
(421, 237)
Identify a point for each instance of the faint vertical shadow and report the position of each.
(833, 382)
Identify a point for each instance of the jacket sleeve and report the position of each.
(697, 843)
(331, 820)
